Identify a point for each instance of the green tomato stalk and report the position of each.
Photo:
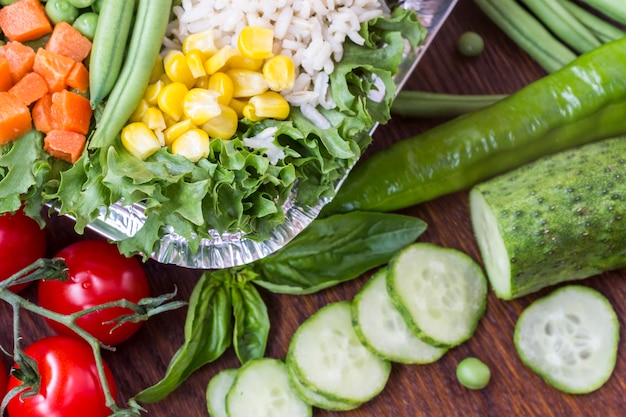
(56, 269)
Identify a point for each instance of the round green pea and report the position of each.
(86, 24)
(473, 373)
(81, 4)
(61, 11)
(470, 44)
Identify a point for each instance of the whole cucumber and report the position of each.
(557, 219)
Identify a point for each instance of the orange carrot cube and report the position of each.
(15, 119)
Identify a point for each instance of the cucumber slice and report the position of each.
(381, 328)
(327, 357)
(261, 388)
(570, 338)
(440, 292)
(216, 392)
(316, 399)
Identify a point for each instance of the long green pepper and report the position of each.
(583, 102)
(149, 28)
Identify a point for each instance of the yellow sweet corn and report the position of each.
(153, 118)
(200, 105)
(267, 105)
(175, 130)
(195, 62)
(221, 83)
(140, 111)
(218, 61)
(223, 126)
(177, 68)
(193, 144)
(201, 41)
(256, 42)
(171, 98)
(140, 140)
(238, 104)
(280, 73)
(157, 70)
(152, 92)
(247, 83)
(202, 82)
(243, 62)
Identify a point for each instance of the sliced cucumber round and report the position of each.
(216, 392)
(328, 358)
(570, 338)
(261, 388)
(440, 292)
(316, 399)
(381, 328)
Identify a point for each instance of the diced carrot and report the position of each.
(64, 144)
(70, 111)
(15, 118)
(53, 67)
(5, 75)
(42, 114)
(68, 41)
(21, 59)
(30, 88)
(78, 78)
(24, 20)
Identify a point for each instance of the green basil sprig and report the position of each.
(252, 323)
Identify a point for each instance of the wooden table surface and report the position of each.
(426, 390)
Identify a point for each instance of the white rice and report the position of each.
(311, 32)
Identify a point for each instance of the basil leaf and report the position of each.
(208, 333)
(252, 322)
(336, 249)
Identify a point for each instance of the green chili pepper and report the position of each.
(208, 333)
(252, 323)
(583, 102)
(336, 249)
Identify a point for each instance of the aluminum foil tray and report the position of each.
(228, 250)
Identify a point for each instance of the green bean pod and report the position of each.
(583, 102)
(109, 47)
(150, 25)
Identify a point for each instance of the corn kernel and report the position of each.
(160, 135)
(157, 70)
(218, 61)
(221, 83)
(238, 104)
(139, 140)
(200, 105)
(193, 144)
(266, 105)
(152, 92)
(247, 83)
(139, 111)
(153, 118)
(177, 68)
(174, 131)
(223, 126)
(171, 98)
(202, 82)
(201, 41)
(256, 42)
(195, 62)
(243, 62)
(280, 73)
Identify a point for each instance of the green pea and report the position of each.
(81, 4)
(470, 44)
(96, 6)
(61, 11)
(6, 2)
(473, 373)
(86, 24)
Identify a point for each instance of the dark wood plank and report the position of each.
(429, 390)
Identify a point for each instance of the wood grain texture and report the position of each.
(427, 390)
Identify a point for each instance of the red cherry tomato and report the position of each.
(22, 242)
(98, 274)
(4, 378)
(70, 386)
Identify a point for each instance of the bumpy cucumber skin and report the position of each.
(609, 355)
(561, 218)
